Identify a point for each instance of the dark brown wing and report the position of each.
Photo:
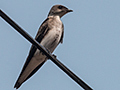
(61, 39)
(40, 35)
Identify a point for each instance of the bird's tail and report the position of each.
(34, 64)
(17, 85)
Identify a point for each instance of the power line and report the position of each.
(48, 54)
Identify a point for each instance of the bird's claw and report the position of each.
(54, 55)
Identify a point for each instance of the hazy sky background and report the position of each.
(91, 45)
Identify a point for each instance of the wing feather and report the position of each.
(40, 35)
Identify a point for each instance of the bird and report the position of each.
(49, 35)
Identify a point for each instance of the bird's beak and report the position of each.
(69, 10)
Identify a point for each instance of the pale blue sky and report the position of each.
(91, 47)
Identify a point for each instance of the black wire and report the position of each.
(48, 54)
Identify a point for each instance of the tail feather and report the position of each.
(30, 69)
(17, 85)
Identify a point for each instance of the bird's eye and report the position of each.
(60, 7)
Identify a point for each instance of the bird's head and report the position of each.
(59, 10)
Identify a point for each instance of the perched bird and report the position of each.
(49, 35)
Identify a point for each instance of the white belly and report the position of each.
(51, 40)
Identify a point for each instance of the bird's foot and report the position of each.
(54, 55)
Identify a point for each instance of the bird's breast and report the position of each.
(52, 38)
